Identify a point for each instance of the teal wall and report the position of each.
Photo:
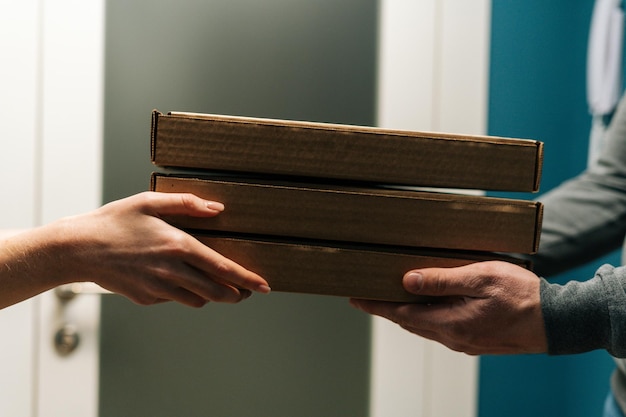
(537, 90)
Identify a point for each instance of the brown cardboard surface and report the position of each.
(359, 272)
(240, 144)
(360, 214)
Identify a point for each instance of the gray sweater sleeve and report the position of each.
(583, 316)
(583, 219)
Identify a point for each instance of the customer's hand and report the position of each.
(127, 248)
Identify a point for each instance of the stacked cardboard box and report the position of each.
(331, 209)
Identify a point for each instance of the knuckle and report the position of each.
(460, 331)
(177, 244)
(144, 299)
(456, 346)
(146, 198)
(484, 276)
(223, 268)
(188, 201)
(465, 340)
(220, 297)
(441, 285)
(224, 296)
(457, 331)
(198, 303)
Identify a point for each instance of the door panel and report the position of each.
(276, 355)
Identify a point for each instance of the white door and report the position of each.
(50, 157)
(433, 76)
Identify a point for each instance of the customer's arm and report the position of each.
(126, 248)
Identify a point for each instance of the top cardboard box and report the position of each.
(343, 152)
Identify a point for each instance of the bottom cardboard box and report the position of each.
(363, 271)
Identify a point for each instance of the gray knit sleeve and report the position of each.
(584, 316)
(585, 218)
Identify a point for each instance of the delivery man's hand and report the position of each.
(482, 308)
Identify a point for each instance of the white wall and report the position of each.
(19, 43)
(50, 165)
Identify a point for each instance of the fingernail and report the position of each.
(413, 281)
(264, 289)
(215, 206)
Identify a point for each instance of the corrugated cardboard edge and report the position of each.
(539, 168)
(539, 224)
(153, 130)
(351, 128)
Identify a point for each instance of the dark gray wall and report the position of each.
(277, 355)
